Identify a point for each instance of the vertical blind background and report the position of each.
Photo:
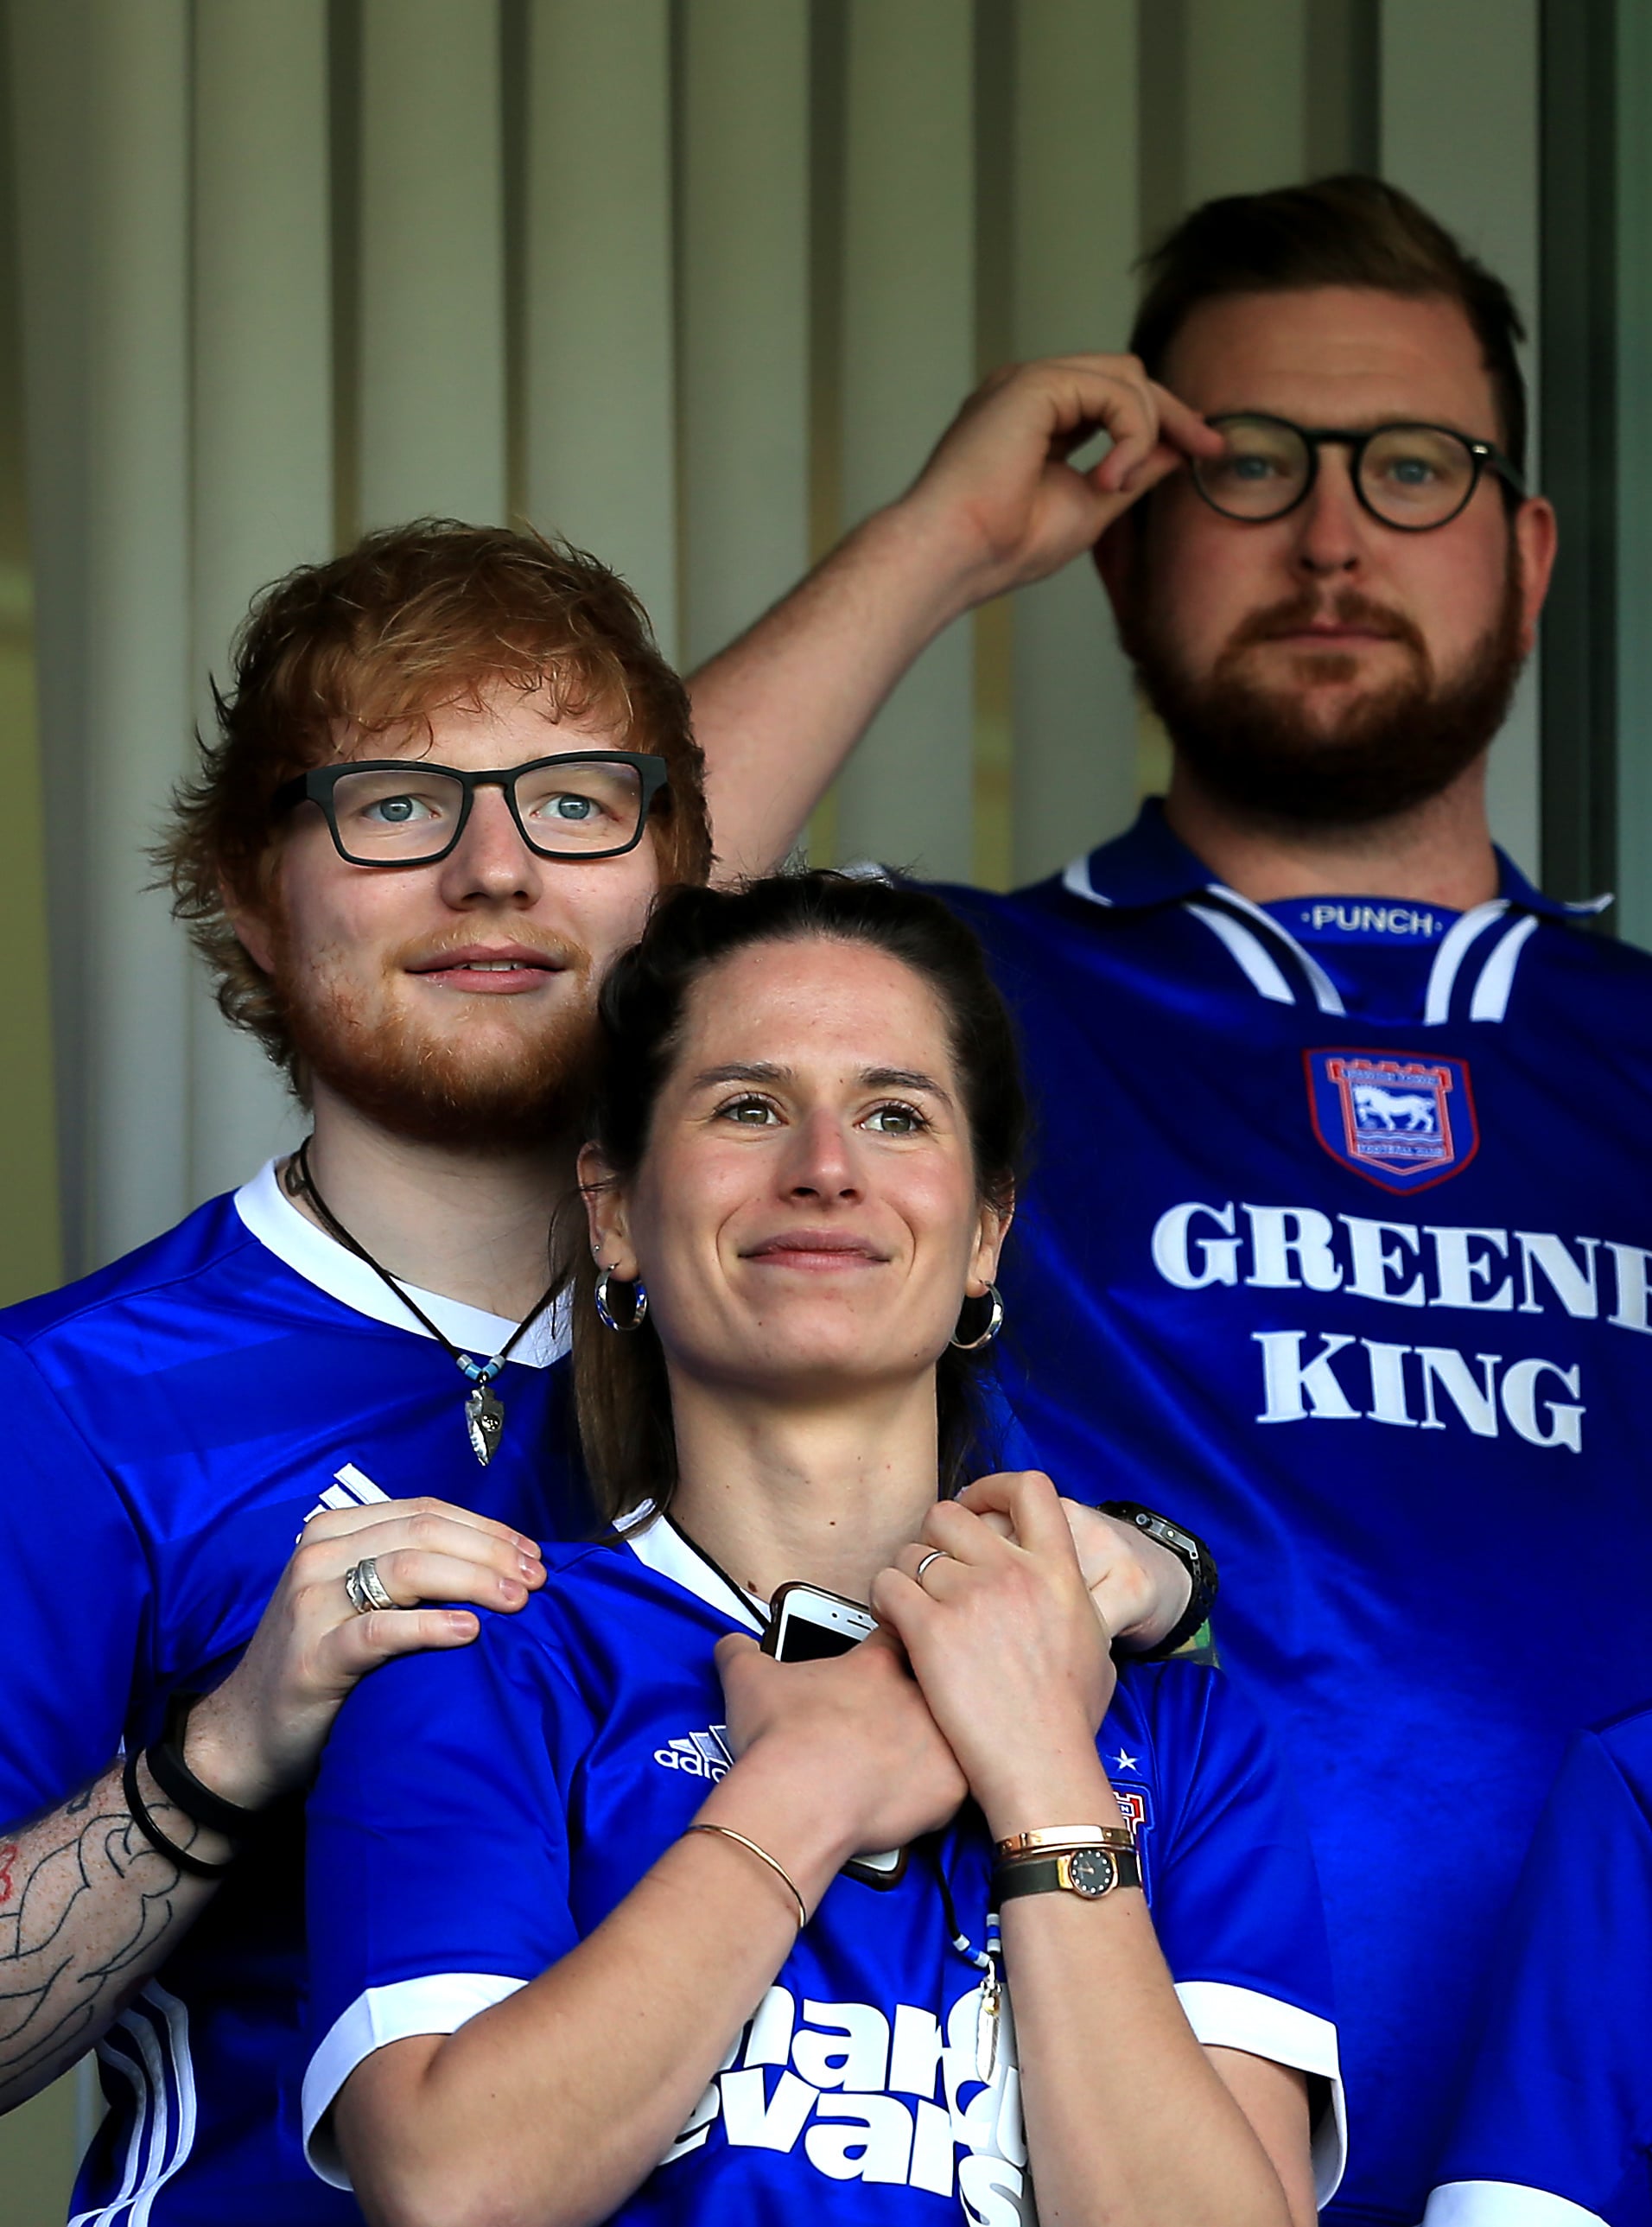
(696, 282)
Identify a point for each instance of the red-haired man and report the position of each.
(450, 772)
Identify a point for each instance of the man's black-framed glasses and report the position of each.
(1415, 477)
(401, 812)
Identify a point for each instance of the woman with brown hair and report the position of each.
(585, 1947)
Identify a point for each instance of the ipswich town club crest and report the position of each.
(1400, 1122)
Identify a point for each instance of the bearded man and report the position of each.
(1339, 1238)
(449, 776)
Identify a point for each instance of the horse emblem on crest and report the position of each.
(1400, 1121)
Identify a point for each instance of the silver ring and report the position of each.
(366, 1588)
(935, 1554)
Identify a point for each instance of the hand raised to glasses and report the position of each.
(1006, 1643)
(260, 1732)
(998, 486)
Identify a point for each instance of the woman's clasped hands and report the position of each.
(999, 1634)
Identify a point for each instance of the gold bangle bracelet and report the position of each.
(1057, 1840)
(728, 1833)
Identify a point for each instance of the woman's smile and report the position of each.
(816, 1251)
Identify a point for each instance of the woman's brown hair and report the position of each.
(621, 1389)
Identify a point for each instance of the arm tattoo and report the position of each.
(88, 1909)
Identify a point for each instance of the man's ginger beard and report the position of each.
(436, 1088)
(1257, 749)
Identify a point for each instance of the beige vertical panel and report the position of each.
(432, 305)
(51, 122)
(262, 424)
(1075, 235)
(30, 1220)
(908, 307)
(745, 330)
(600, 402)
(1460, 124)
(1246, 121)
(136, 590)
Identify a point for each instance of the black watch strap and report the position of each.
(1088, 1873)
(1195, 1558)
(180, 1786)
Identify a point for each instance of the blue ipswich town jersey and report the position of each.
(1557, 2130)
(487, 1822)
(1335, 1248)
(171, 1424)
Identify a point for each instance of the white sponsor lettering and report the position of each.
(1202, 1242)
(1563, 1425)
(1629, 1265)
(1573, 1282)
(1476, 1402)
(1344, 1380)
(1372, 919)
(1459, 1268)
(1377, 1253)
(1174, 1243)
(1284, 1235)
(1296, 1387)
(1319, 1376)
(824, 2086)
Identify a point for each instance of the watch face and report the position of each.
(1092, 1872)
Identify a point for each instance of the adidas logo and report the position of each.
(702, 1755)
(353, 1488)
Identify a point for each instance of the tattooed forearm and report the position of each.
(88, 1908)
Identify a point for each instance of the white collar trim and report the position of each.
(273, 1219)
(662, 1547)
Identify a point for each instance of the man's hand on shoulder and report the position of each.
(259, 1733)
(998, 491)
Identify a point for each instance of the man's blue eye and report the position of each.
(574, 808)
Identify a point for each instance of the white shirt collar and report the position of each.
(662, 1548)
(277, 1223)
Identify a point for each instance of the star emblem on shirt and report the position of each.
(1123, 1761)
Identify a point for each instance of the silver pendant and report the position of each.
(484, 1417)
(987, 2008)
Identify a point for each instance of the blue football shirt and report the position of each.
(171, 1423)
(466, 1831)
(1337, 1246)
(1556, 2129)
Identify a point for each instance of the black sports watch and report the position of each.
(1089, 1872)
(1195, 1558)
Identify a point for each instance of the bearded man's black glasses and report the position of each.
(1414, 477)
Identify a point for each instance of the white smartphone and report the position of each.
(807, 1625)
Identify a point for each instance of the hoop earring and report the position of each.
(638, 1305)
(994, 1306)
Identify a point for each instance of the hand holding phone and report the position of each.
(807, 1624)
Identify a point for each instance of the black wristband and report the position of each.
(197, 1867)
(1195, 1558)
(1090, 1873)
(180, 1786)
